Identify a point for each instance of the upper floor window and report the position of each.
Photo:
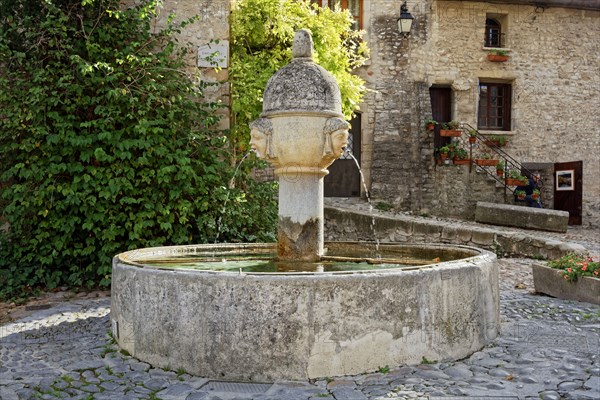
(354, 6)
(494, 106)
(493, 33)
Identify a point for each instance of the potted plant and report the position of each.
(500, 168)
(496, 140)
(461, 156)
(443, 152)
(472, 135)
(486, 160)
(536, 194)
(497, 55)
(451, 129)
(571, 277)
(520, 194)
(430, 124)
(515, 178)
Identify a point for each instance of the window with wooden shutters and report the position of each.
(494, 106)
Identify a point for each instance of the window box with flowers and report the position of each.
(486, 160)
(571, 277)
(451, 129)
(497, 55)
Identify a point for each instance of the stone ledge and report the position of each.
(345, 224)
(522, 217)
(550, 281)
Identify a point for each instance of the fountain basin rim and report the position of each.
(128, 259)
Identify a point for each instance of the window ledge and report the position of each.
(487, 132)
(496, 49)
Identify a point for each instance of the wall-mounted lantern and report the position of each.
(405, 21)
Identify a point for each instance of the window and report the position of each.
(496, 26)
(493, 33)
(354, 6)
(494, 106)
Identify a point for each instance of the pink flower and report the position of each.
(596, 273)
(569, 270)
(584, 267)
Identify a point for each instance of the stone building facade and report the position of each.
(553, 73)
(209, 35)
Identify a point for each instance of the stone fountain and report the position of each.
(302, 308)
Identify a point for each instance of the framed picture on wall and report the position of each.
(565, 180)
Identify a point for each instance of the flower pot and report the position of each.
(443, 156)
(459, 161)
(430, 127)
(485, 162)
(500, 172)
(535, 196)
(450, 132)
(497, 58)
(521, 196)
(515, 182)
(550, 281)
(472, 139)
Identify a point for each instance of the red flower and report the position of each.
(569, 270)
(595, 272)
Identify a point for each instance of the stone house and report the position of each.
(544, 99)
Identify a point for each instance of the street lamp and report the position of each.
(405, 21)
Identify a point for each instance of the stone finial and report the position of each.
(302, 47)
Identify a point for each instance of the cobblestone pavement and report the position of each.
(548, 348)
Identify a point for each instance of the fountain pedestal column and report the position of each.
(301, 131)
(300, 225)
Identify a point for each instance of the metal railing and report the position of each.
(509, 163)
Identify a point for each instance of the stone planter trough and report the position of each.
(550, 281)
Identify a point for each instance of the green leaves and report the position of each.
(105, 145)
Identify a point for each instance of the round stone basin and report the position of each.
(231, 312)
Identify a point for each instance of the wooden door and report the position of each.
(568, 189)
(441, 111)
(343, 179)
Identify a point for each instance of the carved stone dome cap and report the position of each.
(302, 87)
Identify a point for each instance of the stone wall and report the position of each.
(554, 73)
(212, 26)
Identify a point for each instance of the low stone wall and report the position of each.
(350, 225)
(522, 217)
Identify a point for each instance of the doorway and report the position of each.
(343, 179)
(568, 189)
(441, 111)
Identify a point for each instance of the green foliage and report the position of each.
(384, 370)
(425, 361)
(575, 265)
(384, 206)
(262, 33)
(105, 144)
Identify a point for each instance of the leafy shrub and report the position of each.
(106, 145)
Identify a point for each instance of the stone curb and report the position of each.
(341, 224)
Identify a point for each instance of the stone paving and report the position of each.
(548, 348)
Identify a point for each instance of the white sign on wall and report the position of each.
(214, 54)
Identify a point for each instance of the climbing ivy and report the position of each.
(106, 144)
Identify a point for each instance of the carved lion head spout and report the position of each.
(336, 138)
(261, 133)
